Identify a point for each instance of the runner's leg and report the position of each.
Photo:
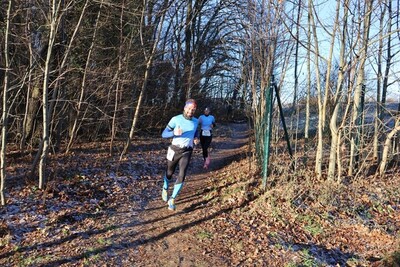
(183, 166)
(171, 167)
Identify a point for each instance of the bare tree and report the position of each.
(36, 47)
(117, 83)
(296, 56)
(359, 90)
(76, 124)
(149, 57)
(382, 81)
(186, 91)
(319, 152)
(338, 95)
(44, 144)
(308, 92)
(387, 146)
(4, 115)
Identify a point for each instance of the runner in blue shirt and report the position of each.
(207, 123)
(183, 131)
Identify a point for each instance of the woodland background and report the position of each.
(90, 71)
(317, 82)
(78, 71)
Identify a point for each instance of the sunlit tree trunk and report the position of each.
(382, 79)
(338, 96)
(387, 146)
(4, 116)
(36, 48)
(327, 91)
(49, 106)
(377, 122)
(319, 152)
(359, 92)
(307, 115)
(294, 112)
(44, 145)
(188, 60)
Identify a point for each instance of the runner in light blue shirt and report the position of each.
(207, 123)
(183, 131)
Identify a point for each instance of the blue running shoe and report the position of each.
(164, 194)
(171, 204)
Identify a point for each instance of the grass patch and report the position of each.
(307, 260)
(34, 261)
(103, 241)
(202, 235)
(311, 225)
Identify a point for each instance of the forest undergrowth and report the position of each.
(300, 221)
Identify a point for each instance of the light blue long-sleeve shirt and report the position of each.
(206, 122)
(189, 130)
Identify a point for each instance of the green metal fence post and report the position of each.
(267, 132)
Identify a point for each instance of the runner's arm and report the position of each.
(168, 132)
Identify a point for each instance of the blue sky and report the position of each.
(326, 12)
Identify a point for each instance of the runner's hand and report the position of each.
(178, 131)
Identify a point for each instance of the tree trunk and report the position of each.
(44, 147)
(117, 82)
(387, 146)
(319, 152)
(188, 60)
(338, 96)
(359, 94)
(378, 107)
(307, 111)
(48, 106)
(296, 58)
(382, 87)
(4, 116)
(36, 47)
(329, 66)
(31, 107)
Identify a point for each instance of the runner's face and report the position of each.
(189, 110)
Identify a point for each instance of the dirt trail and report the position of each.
(156, 236)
